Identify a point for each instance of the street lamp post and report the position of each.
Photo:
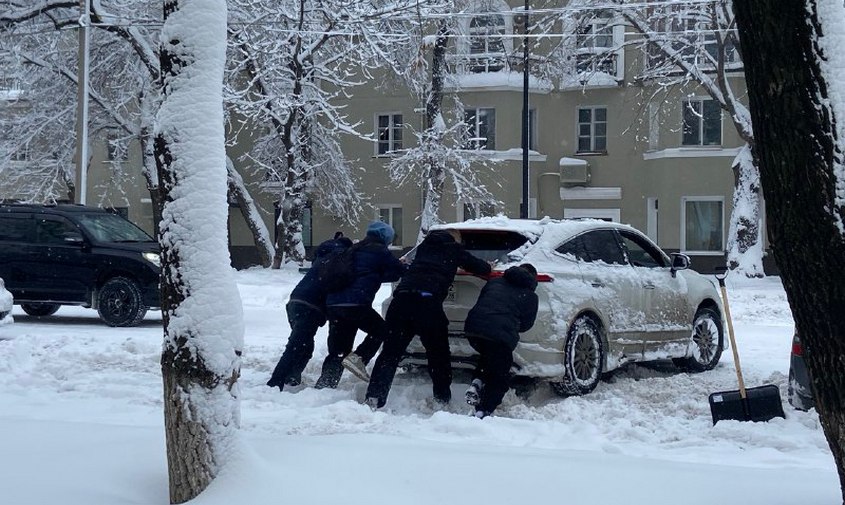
(82, 139)
(523, 209)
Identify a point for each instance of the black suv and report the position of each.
(52, 255)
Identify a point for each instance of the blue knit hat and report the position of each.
(381, 231)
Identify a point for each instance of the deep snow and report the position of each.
(81, 423)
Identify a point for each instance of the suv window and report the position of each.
(574, 247)
(16, 228)
(111, 228)
(54, 230)
(601, 245)
(640, 252)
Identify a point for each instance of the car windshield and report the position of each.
(112, 228)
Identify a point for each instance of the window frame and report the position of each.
(592, 124)
(392, 129)
(398, 230)
(701, 120)
(489, 34)
(683, 225)
(472, 142)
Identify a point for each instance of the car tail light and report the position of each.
(797, 349)
(499, 273)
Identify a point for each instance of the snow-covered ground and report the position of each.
(81, 424)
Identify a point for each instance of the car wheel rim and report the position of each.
(118, 303)
(705, 335)
(585, 358)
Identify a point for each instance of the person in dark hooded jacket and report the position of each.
(417, 309)
(351, 308)
(306, 311)
(506, 307)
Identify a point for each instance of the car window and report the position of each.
(640, 252)
(574, 247)
(112, 228)
(53, 230)
(16, 229)
(489, 245)
(601, 245)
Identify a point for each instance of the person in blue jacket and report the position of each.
(351, 308)
(306, 311)
(506, 307)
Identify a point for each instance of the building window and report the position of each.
(389, 132)
(21, 154)
(702, 229)
(392, 215)
(594, 42)
(532, 129)
(480, 129)
(486, 43)
(592, 130)
(702, 123)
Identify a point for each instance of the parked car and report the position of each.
(800, 390)
(53, 255)
(608, 296)
(5, 304)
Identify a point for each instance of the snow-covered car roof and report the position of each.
(532, 228)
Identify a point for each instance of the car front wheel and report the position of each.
(707, 342)
(40, 309)
(583, 359)
(119, 302)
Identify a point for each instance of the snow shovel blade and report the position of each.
(760, 404)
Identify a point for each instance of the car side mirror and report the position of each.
(679, 262)
(74, 239)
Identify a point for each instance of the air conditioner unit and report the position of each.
(574, 172)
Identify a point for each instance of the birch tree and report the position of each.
(794, 54)
(201, 308)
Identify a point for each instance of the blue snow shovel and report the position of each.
(746, 404)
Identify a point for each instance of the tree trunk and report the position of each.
(237, 189)
(745, 243)
(796, 141)
(201, 310)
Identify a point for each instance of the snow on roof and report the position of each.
(500, 80)
(531, 228)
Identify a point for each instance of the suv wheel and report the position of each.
(119, 302)
(583, 355)
(40, 309)
(707, 341)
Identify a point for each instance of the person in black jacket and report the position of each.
(506, 307)
(351, 308)
(306, 312)
(417, 309)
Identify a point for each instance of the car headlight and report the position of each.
(154, 258)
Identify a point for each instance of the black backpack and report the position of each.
(336, 270)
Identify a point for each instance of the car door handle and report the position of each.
(597, 283)
(649, 286)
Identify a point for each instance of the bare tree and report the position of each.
(203, 319)
(794, 67)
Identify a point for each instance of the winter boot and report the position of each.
(373, 403)
(332, 370)
(481, 414)
(442, 394)
(473, 394)
(293, 380)
(356, 366)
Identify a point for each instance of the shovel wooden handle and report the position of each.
(731, 335)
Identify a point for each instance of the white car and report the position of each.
(608, 296)
(5, 304)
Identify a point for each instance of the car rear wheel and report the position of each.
(583, 359)
(40, 309)
(119, 302)
(707, 342)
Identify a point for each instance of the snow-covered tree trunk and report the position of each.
(254, 222)
(201, 308)
(794, 54)
(745, 242)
